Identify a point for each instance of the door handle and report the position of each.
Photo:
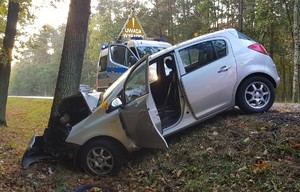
(224, 69)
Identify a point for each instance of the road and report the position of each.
(32, 97)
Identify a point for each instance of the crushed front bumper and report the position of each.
(35, 152)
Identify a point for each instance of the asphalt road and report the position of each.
(32, 97)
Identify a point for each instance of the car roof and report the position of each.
(224, 32)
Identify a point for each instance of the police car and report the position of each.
(138, 48)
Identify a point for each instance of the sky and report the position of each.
(47, 14)
(55, 16)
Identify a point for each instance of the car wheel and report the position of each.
(255, 95)
(102, 157)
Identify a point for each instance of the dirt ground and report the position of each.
(292, 107)
(219, 156)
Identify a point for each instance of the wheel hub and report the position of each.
(100, 160)
(257, 95)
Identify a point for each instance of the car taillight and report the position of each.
(258, 48)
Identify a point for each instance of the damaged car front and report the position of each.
(97, 136)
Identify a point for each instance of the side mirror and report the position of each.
(114, 104)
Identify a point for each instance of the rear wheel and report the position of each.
(255, 95)
(102, 157)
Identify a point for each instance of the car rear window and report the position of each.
(243, 36)
(220, 48)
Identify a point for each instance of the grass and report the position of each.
(25, 118)
(230, 152)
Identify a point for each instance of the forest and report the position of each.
(270, 23)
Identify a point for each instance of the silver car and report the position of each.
(158, 96)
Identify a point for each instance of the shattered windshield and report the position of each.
(120, 80)
(136, 85)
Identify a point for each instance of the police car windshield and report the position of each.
(146, 50)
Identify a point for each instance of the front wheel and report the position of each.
(102, 157)
(255, 95)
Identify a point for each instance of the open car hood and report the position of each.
(91, 99)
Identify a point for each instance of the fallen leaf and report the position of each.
(296, 146)
(178, 173)
(260, 165)
(265, 152)
(95, 189)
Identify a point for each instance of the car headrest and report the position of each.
(169, 63)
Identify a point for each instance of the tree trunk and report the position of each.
(295, 96)
(241, 10)
(272, 39)
(73, 53)
(284, 80)
(6, 56)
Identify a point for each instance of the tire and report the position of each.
(102, 157)
(255, 95)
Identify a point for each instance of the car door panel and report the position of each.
(139, 124)
(120, 58)
(209, 88)
(139, 115)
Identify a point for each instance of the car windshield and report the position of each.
(146, 50)
(121, 79)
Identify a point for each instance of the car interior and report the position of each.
(165, 90)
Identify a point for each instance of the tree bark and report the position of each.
(241, 10)
(6, 56)
(73, 53)
(295, 96)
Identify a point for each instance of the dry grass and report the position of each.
(230, 152)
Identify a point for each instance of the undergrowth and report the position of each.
(230, 152)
